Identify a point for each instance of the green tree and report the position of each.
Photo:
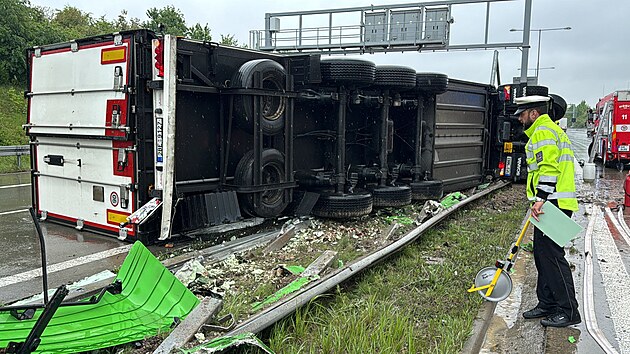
(229, 39)
(581, 113)
(22, 26)
(169, 16)
(199, 33)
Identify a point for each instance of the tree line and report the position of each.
(23, 25)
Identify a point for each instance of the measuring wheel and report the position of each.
(501, 290)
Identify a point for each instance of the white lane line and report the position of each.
(616, 281)
(15, 186)
(588, 301)
(31, 274)
(13, 212)
(622, 223)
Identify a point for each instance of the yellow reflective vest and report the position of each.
(550, 170)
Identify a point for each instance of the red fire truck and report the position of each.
(611, 134)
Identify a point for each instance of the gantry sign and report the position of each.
(423, 26)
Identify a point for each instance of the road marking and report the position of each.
(31, 274)
(588, 301)
(15, 186)
(13, 212)
(616, 281)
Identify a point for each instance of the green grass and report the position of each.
(405, 305)
(12, 116)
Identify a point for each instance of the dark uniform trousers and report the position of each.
(555, 289)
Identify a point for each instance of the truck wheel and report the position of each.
(353, 72)
(559, 106)
(273, 77)
(432, 83)
(535, 91)
(272, 201)
(426, 190)
(343, 206)
(391, 196)
(395, 77)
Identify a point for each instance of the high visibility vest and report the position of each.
(550, 170)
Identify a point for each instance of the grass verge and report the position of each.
(416, 302)
(12, 116)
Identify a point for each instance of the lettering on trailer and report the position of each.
(624, 106)
(519, 161)
(159, 142)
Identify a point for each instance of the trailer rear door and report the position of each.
(82, 153)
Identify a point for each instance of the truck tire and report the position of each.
(432, 83)
(559, 106)
(395, 77)
(343, 206)
(273, 77)
(349, 72)
(271, 202)
(535, 91)
(427, 190)
(397, 196)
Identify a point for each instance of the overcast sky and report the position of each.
(590, 60)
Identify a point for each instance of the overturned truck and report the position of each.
(143, 136)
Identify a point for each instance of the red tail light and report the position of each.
(159, 58)
(506, 93)
(501, 168)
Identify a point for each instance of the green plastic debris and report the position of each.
(405, 220)
(150, 301)
(295, 269)
(292, 287)
(339, 263)
(572, 339)
(529, 246)
(218, 345)
(483, 186)
(452, 199)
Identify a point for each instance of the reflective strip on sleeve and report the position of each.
(548, 179)
(546, 188)
(529, 154)
(542, 143)
(559, 195)
(542, 127)
(564, 145)
(532, 166)
(565, 157)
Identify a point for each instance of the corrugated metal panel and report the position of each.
(460, 137)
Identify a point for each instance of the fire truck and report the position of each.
(611, 130)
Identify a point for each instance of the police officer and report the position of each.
(550, 177)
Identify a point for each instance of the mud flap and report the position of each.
(151, 301)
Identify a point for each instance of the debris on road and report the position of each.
(219, 345)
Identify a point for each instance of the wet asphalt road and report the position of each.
(20, 245)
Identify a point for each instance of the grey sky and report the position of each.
(590, 60)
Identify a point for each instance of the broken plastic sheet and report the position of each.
(292, 287)
(152, 299)
(218, 345)
(452, 199)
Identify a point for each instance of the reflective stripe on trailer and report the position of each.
(92, 225)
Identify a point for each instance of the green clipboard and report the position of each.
(556, 224)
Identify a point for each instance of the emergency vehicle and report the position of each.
(611, 130)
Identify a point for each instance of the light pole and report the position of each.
(540, 31)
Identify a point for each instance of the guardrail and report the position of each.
(15, 151)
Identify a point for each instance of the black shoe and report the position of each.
(537, 312)
(560, 320)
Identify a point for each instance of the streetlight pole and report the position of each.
(540, 31)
